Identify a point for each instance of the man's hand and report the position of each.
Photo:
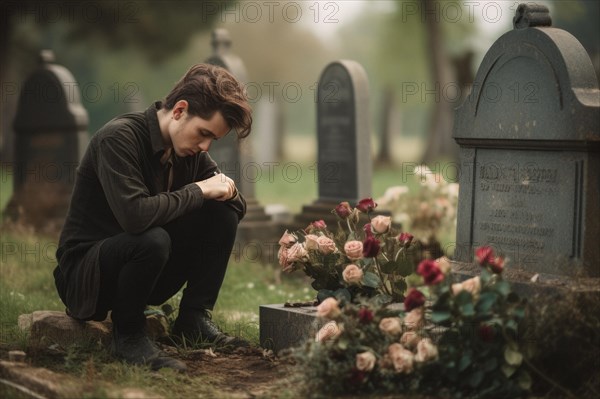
(218, 187)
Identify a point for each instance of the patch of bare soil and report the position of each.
(243, 372)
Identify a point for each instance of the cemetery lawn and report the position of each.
(86, 370)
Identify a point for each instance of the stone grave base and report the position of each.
(528, 284)
(285, 327)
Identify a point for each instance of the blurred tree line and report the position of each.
(125, 54)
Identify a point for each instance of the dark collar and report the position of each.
(154, 127)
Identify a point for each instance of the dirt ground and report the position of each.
(242, 373)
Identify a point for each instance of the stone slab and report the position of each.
(286, 327)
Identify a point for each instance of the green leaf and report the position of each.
(502, 287)
(440, 316)
(524, 380)
(324, 294)
(476, 378)
(508, 370)
(414, 280)
(486, 301)
(467, 309)
(371, 280)
(406, 267)
(343, 295)
(463, 298)
(390, 267)
(399, 287)
(485, 276)
(465, 361)
(513, 357)
(512, 326)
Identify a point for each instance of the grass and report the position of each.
(26, 285)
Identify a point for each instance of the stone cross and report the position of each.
(529, 136)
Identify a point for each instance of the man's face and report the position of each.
(192, 134)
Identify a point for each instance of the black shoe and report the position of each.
(196, 326)
(137, 348)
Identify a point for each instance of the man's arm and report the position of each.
(208, 168)
(119, 170)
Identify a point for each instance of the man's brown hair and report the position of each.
(209, 88)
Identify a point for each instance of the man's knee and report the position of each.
(156, 244)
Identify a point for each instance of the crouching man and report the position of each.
(150, 212)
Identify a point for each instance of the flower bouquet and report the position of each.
(452, 339)
(369, 261)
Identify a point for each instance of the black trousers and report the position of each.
(149, 268)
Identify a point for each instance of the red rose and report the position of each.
(343, 210)
(319, 224)
(366, 205)
(405, 239)
(368, 230)
(365, 315)
(370, 247)
(413, 300)
(430, 271)
(497, 265)
(484, 255)
(486, 333)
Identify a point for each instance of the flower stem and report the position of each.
(385, 288)
(349, 228)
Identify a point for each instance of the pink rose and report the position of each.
(413, 300)
(352, 274)
(444, 264)
(329, 308)
(472, 285)
(405, 239)
(401, 358)
(311, 242)
(326, 245)
(366, 205)
(370, 247)
(343, 210)
(409, 339)
(381, 224)
(426, 351)
(296, 253)
(365, 361)
(353, 249)
(430, 271)
(329, 331)
(391, 325)
(414, 319)
(283, 259)
(287, 239)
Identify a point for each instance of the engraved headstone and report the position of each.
(530, 152)
(50, 137)
(344, 164)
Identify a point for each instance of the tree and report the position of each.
(159, 29)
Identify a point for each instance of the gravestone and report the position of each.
(257, 236)
(530, 154)
(50, 137)
(286, 327)
(344, 163)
